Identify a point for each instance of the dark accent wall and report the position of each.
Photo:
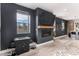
(0, 26)
(8, 23)
(60, 32)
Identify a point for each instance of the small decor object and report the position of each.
(33, 45)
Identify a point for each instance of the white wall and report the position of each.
(67, 11)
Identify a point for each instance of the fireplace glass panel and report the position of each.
(46, 32)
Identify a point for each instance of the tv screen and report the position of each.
(46, 19)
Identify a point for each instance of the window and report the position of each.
(54, 28)
(63, 25)
(54, 25)
(23, 22)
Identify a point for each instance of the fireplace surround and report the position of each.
(44, 35)
(44, 25)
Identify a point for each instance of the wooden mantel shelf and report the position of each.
(45, 26)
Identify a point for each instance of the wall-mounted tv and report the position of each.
(45, 18)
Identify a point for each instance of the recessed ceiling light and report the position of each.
(65, 9)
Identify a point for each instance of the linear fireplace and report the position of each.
(45, 32)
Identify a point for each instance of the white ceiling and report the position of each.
(68, 11)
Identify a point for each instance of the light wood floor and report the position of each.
(61, 47)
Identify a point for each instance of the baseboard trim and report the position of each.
(59, 37)
(45, 43)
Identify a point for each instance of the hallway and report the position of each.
(61, 47)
